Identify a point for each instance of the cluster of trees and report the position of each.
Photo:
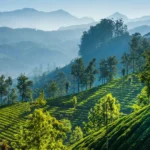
(9, 93)
(85, 76)
(58, 86)
(42, 131)
(133, 60)
(102, 39)
(97, 35)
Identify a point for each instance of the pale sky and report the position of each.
(96, 9)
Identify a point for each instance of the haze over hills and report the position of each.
(26, 48)
(55, 44)
(140, 24)
(31, 18)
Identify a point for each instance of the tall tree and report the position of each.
(112, 66)
(52, 89)
(91, 71)
(9, 83)
(13, 96)
(134, 50)
(24, 87)
(3, 87)
(77, 71)
(61, 80)
(125, 60)
(103, 70)
(105, 111)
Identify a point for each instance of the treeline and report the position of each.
(10, 94)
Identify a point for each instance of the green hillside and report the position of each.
(11, 117)
(131, 132)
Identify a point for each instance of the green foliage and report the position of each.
(13, 96)
(41, 131)
(112, 63)
(95, 41)
(145, 75)
(90, 72)
(105, 111)
(41, 100)
(108, 68)
(142, 98)
(76, 135)
(12, 116)
(126, 61)
(77, 70)
(61, 80)
(5, 85)
(53, 89)
(24, 87)
(74, 100)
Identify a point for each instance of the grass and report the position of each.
(11, 117)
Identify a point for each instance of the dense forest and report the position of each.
(100, 100)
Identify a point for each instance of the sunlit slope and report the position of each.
(122, 89)
(11, 117)
(131, 132)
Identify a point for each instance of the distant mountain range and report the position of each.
(132, 23)
(31, 18)
(59, 19)
(21, 50)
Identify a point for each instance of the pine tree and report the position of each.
(112, 66)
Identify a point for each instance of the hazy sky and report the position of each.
(92, 8)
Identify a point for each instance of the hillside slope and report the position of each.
(11, 117)
(131, 132)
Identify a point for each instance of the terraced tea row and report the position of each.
(11, 117)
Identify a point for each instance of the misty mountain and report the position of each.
(64, 41)
(31, 18)
(117, 16)
(132, 23)
(84, 27)
(25, 56)
(141, 29)
(19, 48)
